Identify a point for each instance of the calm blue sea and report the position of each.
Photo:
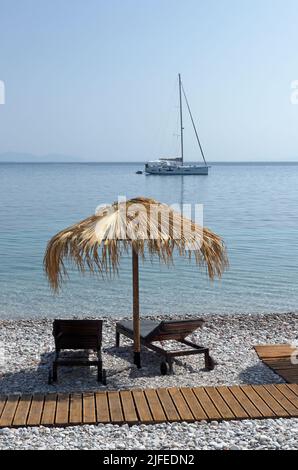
(254, 208)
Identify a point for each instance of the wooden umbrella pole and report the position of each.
(136, 309)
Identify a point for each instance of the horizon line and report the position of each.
(215, 162)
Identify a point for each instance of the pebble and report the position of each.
(170, 437)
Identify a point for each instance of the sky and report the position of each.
(97, 80)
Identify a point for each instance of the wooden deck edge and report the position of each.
(275, 356)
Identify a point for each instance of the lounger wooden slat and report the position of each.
(102, 407)
(168, 405)
(278, 394)
(219, 403)
(271, 402)
(206, 403)
(181, 406)
(194, 405)
(89, 416)
(62, 410)
(142, 407)
(155, 406)
(9, 411)
(115, 407)
(49, 410)
(246, 404)
(257, 401)
(22, 411)
(36, 409)
(128, 406)
(231, 401)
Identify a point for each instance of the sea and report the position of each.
(254, 207)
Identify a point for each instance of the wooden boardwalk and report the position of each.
(281, 359)
(151, 405)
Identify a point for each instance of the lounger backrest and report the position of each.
(174, 329)
(77, 334)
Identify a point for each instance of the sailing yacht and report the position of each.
(176, 165)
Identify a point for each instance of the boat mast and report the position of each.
(181, 121)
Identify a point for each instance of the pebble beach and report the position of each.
(27, 351)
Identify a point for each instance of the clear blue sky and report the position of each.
(94, 78)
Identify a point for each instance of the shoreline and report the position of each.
(153, 315)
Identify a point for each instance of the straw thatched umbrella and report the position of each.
(98, 242)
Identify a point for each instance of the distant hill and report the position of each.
(14, 157)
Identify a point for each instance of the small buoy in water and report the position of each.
(139, 172)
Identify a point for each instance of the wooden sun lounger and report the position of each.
(77, 335)
(177, 330)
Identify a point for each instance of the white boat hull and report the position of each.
(179, 170)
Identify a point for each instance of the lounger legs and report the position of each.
(117, 339)
(137, 359)
(101, 373)
(209, 361)
(55, 372)
(170, 363)
(54, 378)
(167, 367)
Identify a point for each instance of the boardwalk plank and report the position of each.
(102, 408)
(9, 410)
(180, 404)
(284, 363)
(274, 350)
(246, 404)
(264, 409)
(290, 376)
(293, 388)
(142, 407)
(167, 404)
(155, 406)
(35, 412)
(289, 394)
(128, 406)
(277, 392)
(22, 411)
(62, 410)
(115, 407)
(76, 408)
(194, 405)
(49, 410)
(231, 401)
(89, 416)
(206, 403)
(268, 398)
(219, 403)
(3, 399)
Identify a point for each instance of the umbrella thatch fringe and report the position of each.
(98, 242)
